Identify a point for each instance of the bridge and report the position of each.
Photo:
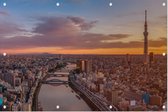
(58, 74)
(55, 81)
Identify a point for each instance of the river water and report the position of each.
(53, 95)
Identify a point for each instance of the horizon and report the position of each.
(76, 54)
(65, 29)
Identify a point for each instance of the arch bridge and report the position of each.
(55, 81)
(58, 74)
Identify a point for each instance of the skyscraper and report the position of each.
(128, 59)
(145, 39)
(81, 65)
(88, 66)
(151, 58)
(84, 65)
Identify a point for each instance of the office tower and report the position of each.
(88, 66)
(80, 65)
(26, 107)
(84, 65)
(155, 100)
(145, 39)
(151, 58)
(10, 78)
(112, 96)
(13, 77)
(128, 59)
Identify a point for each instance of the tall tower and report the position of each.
(145, 39)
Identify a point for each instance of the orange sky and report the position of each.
(159, 50)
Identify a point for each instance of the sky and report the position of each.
(81, 26)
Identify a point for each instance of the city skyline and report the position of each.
(118, 29)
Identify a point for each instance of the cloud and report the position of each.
(119, 44)
(102, 37)
(163, 17)
(82, 23)
(62, 25)
(162, 41)
(67, 33)
(55, 26)
(77, 43)
(4, 13)
(9, 28)
(89, 41)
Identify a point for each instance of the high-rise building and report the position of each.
(84, 65)
(10, 78)
(26, 107)
(155, 100)
(80, 65)
(145, 39)
(151, 58)
(128, 59)
(88, 66)
(112, 96)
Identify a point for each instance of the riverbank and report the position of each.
(35, 98)
(39, 88)
(89, 103)
(85, 96)
(95, 103)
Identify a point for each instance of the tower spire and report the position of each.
(145, 15)
(146, 26)
(145, 39)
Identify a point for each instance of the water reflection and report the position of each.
(52, 95)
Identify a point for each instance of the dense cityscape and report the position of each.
(62, 64)
(121, 80)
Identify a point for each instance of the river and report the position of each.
(51, 96)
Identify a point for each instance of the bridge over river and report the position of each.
(55, 81)
(59, 78)
(58, 74)
(50, 95)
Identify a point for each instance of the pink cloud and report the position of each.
(67, 32)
